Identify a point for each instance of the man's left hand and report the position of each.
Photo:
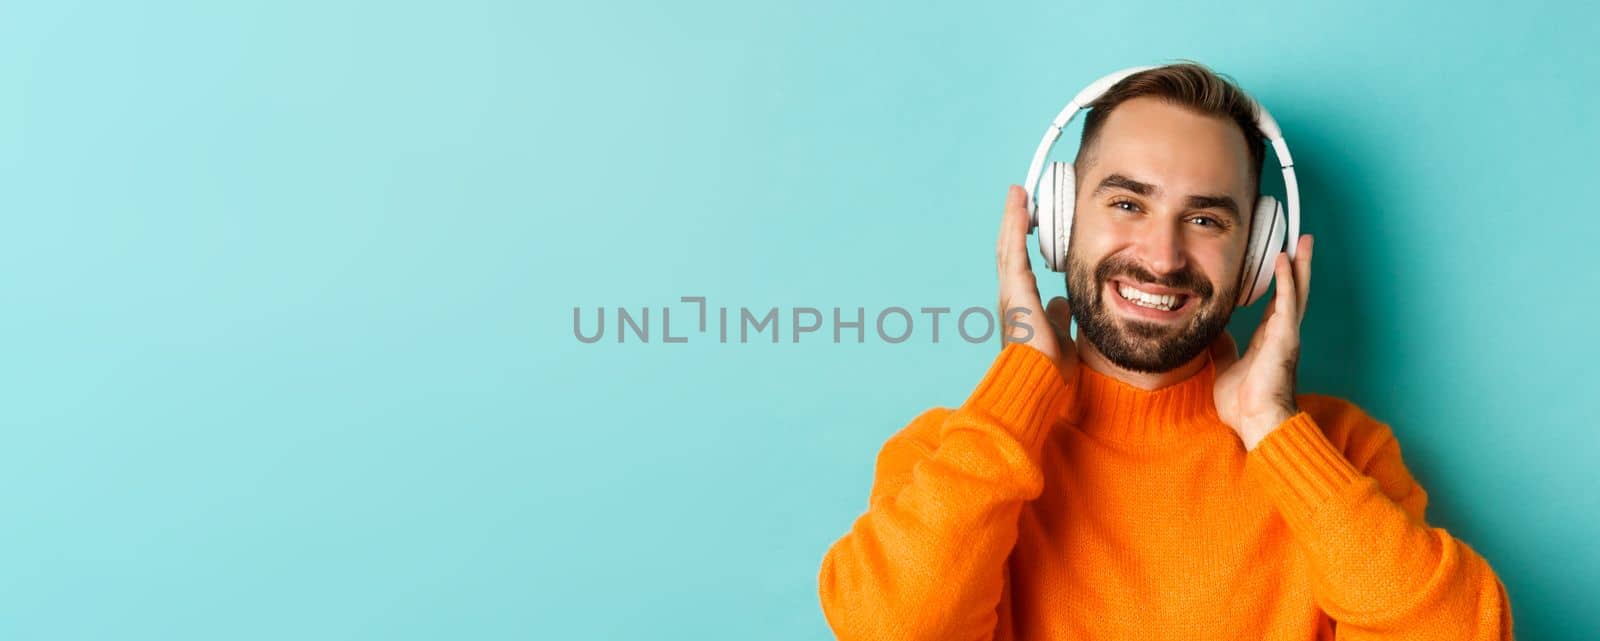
(1255, 393)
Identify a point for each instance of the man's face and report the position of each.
(1164, 198)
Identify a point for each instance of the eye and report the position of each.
(1125, 205)
(1213, 222)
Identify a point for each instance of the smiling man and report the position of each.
(1146, 481)
(1161, 226)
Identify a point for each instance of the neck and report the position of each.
(1091, 356)
(1140, 410)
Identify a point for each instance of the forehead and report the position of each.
(1181, 151)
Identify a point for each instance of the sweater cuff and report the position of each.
(1025, 392)
(1300, 469)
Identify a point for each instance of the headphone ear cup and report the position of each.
(1056, 197)
(1267, 231)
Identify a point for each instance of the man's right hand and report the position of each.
(1019, 294)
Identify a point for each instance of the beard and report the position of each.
(1139, 345)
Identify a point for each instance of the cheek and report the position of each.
(1093, 239)
(1220, 267)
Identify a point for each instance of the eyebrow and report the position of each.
(1119, 181)
(1221, 201)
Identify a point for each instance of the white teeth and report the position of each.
(1144, 299)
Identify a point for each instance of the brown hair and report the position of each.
(1186, 84)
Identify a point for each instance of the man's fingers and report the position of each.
(1000, 239)
(1059, 311)
(1224, 352)
(1302, 275)
(1291, 281)
(1261, 328)
(1287, 300)
(1014, 232)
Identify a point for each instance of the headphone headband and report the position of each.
(1266, 125)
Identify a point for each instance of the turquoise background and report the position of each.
(287, 291)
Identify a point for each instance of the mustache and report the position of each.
(1187, 280)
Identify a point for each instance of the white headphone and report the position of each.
(1053, 196)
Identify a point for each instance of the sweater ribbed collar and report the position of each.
(1111, 409)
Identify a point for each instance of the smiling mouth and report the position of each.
(1148, 305)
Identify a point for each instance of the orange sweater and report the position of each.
(1097, 510)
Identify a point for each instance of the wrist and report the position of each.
(1255, 429)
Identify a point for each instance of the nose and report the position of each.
(1162, 249)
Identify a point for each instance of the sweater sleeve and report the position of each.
(927, 558)
(1380, 571)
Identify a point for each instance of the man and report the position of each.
(1145, 481)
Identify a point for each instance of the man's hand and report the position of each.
(1022, 318)
(1255, 394)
